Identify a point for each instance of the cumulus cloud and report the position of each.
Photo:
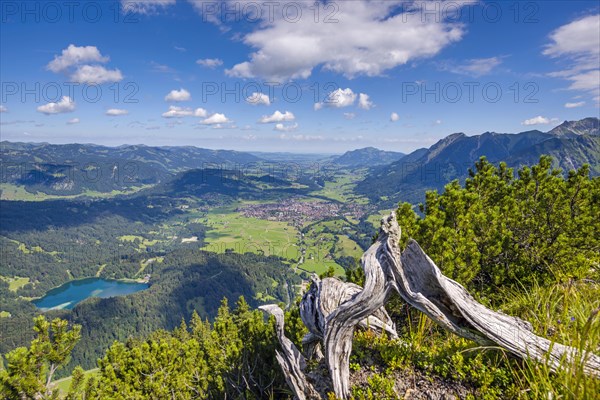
(578, 45)
(145, 6)
(285, 128)
(75, 55)
(349, 115)
(575, 105)
(215, 118)
(3, 109)
(394, 117)
(475, 67)
(75, 61)
(178, 112)
(277, 116)
(95, 74)
(338, 98)
(364, 102)
(64, 105)
(73, 121)
(368, 38)
(257, 99)
(178, 95)
(116, 112)
(539, 120)
(210, 62)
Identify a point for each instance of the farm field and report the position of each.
(231, 231)
(315, 251)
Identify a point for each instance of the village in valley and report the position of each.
(299, 212)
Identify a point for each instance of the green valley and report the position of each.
(203, 235)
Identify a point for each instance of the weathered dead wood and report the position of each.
(324, 296)
(332, 309)
(340, 324)
(292, 362)
(422, 285)
(510, 333)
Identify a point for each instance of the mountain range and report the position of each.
(571, 144)
(73, 169)
(76, 168)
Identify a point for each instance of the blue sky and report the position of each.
(337, 76)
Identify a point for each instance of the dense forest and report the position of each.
(526, 243)
(184, 281)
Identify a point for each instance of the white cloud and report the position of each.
(74, 55)
(437, 122)
(95, 74)
(257, 99)
(178, 95)
(475, 67)
(285, 128)
(116, 112)
(215, 118)
(338, 98)
(364, 102)
(200, 112)
(144, 6)
(210, 62)
(578, 44)
(368, 38)
(64, 105)
(75, 60)
(178, 112)
(575, 105)
(539, 120)
(277, 116)
(578, 37)
(73, 121)
(301, 138)
(349, 115)
(3, 109)
(394, 117)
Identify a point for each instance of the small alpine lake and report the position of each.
(71, 293)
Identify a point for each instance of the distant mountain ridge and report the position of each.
(170, 158)
(77, 168)
(586, 126)
(571, 144)
(367, 157)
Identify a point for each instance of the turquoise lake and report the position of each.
(68, 295)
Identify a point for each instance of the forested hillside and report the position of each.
(87, 169)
